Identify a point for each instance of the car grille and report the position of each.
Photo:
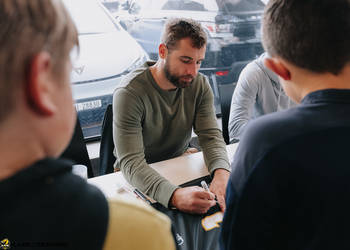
(237, 52)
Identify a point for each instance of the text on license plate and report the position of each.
(88, 105)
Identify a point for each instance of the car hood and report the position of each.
(104, 55)
(200, 16)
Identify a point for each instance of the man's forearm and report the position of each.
(214, 151)
(235, 128)
(149, 181)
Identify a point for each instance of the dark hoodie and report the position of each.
(45, 206)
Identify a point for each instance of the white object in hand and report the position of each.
(205, 185)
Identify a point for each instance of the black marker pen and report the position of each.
(142, 196)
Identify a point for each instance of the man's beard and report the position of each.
(174, 79)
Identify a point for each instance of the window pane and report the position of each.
(111, 49)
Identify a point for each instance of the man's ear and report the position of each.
(278, 67)
(163, 51)
(39, 85)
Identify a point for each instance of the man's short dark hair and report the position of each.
(179, 28)
(311, 34)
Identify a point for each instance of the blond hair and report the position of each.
(28, 27)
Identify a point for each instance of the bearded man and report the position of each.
(154, 110)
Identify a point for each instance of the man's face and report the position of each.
(183, 62)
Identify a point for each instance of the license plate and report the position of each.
(88, 105)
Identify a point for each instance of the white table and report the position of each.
(178, 170)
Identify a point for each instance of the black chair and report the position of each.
(77, 151)
(107, 158)
(226, 92)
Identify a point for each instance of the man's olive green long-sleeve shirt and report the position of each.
(151, 124)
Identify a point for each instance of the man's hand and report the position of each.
(218, 186)
(193, 200)
(190, 151)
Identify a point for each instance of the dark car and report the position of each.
(243, 17)
(233, 29)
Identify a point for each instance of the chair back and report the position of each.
(77, 151)
(226, 92)
(107, 158)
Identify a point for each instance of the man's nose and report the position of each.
(192, 69)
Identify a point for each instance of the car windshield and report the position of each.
(241, 5)
(183, 5)
(89, 21)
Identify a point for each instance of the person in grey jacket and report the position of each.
(258, 92)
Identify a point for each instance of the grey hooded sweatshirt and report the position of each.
(258, 92)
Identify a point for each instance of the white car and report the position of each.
(107, 52)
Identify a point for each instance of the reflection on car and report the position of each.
(232, 26)
(107, 52)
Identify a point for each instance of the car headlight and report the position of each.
(138, 62)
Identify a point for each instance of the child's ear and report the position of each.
(39, 90)
(278, 67)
